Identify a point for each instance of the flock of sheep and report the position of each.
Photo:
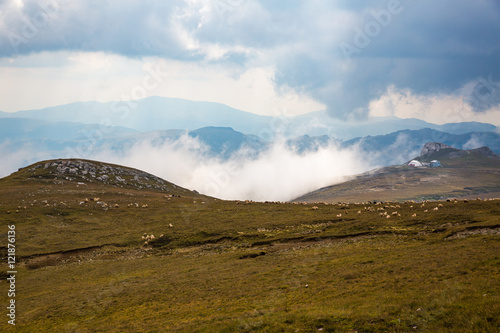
(383, 211)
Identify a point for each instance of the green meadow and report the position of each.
(87, 262)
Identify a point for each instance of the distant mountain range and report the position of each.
(398, 147)
(82, 129)
(160, 113)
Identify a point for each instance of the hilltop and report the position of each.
(133, 252)
(71, 170)
(403, 182)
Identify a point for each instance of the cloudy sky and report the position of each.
(433, 60)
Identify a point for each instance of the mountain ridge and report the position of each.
(160, 113)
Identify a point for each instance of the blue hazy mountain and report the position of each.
(34, 129)
(224, 141)
(160, 113)
(150, 114)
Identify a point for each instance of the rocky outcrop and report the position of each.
(431, 147)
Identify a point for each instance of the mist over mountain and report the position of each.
(400, 146)
(259, 158)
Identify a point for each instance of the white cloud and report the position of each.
(437, 109)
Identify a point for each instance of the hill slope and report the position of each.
(224, 266)
(464, 172)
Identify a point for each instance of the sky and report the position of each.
(433, 60)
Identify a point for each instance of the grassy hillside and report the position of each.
(464, 173)
(225, 266)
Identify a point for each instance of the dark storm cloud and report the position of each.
(131, 28)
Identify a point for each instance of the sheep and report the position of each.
(359, 212)
(116, 206)
(435, 208)
(388, 216)
(394, 213)
(425, 211)
(339, 215)
(147, 238)
(145, 206)
(170, 225)
(315, 208)
(414, 215)
(440, 205)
